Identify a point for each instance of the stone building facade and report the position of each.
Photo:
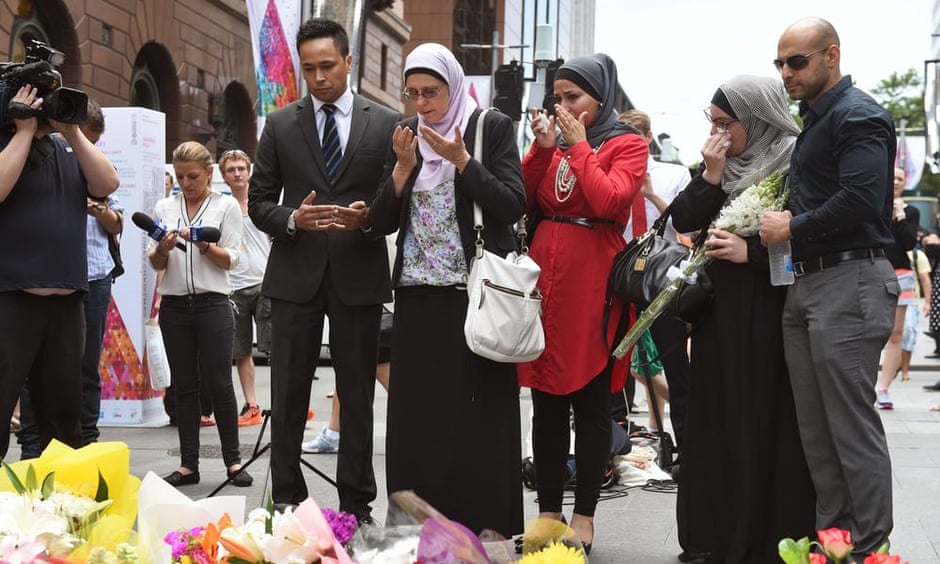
(190, 59)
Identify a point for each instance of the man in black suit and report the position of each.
(325, 153)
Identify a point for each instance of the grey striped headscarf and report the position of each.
(760, 104)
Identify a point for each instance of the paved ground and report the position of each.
(634, 526)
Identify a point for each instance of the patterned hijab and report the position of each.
(600, 72)
(460, 106)
(760, 104)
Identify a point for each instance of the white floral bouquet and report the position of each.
(741, 217)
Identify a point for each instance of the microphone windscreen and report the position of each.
(143, 221)
(210, 235)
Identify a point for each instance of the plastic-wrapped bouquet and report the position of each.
(741, 217)
(835, 545)
(80, 507)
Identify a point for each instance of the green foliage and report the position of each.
(102, 493)
(903, 96)
(14, 479)
(794, 552)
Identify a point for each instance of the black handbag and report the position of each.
(639, 273)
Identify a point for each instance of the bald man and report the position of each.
(840, 311)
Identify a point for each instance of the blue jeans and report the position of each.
(96, 310)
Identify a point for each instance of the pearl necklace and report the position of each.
(565, 180)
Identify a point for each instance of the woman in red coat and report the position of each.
(583, 179)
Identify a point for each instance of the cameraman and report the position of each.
(44, 185)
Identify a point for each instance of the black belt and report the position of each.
(828, 261)
(580, 221)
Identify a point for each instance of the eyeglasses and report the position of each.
(426, 93)
(721, 123)
(797, 62)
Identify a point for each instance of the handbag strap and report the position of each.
(478, 156)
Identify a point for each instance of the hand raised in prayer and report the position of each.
(452, 150)
(572, 127)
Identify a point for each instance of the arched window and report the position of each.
(144, 91)
(24, 31)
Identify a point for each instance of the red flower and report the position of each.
(882, 559)
(817, 558)
(836, 542)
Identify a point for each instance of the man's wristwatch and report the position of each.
(291, 223)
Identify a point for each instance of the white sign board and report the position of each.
(134, 141)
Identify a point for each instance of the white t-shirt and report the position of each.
(668, 180)
(253, 257)
(188, 272)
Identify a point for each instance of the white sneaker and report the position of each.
(321, 444)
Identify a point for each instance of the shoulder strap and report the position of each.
(478, 156)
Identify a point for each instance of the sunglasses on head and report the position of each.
(797, 62)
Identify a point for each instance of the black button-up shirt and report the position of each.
(842, 174)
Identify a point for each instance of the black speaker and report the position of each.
(507, 90)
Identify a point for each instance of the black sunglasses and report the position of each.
(797, 62)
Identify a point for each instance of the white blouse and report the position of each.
(189, 272)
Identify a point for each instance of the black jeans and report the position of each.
(41, 349)
(197, 333)
(550, 442)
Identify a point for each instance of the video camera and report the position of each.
(38, 69)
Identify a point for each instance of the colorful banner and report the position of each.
(274, 25)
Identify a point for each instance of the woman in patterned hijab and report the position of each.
(744, 483)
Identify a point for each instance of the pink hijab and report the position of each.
(437, 58)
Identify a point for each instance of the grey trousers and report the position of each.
(835, 324)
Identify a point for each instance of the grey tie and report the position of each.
(332, 153)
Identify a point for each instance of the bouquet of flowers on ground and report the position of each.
(67, 515)
(835, 545)
(741, 217)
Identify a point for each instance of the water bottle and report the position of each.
(781, 263)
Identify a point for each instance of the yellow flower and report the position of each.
(555, 553)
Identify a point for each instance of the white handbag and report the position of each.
(504, 313)
(157, 364)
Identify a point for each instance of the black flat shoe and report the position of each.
(933, 387)
(177, 479)
(240, 478)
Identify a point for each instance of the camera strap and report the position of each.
(39, 150)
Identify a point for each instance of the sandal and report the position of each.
(239, 478)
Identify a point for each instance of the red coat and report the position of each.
(576, 260)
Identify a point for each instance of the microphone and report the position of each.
(200, 233)
(155, 229)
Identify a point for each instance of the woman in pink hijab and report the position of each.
(453, 417)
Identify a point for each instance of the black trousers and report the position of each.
(671, 338)
(197, 332)
(296, 330)
(41, 348)
(551, 441)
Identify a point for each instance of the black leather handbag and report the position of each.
(639, 273)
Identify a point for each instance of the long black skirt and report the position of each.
(454, 433)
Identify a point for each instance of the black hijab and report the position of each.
(600, 72)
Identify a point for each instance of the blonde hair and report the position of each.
(638, 119)
(192, 152)
(234, 155)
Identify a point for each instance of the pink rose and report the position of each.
(882, 559)
(836, 542)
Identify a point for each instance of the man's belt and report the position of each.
(834, 259)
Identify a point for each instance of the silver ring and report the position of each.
(316, 222)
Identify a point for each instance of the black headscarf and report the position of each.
(600, 72)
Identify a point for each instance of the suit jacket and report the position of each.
(289, 159)
(495, 184)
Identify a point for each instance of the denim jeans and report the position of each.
(96, 310)
(197, 333)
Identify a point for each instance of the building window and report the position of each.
(383, 65)
(144, 91)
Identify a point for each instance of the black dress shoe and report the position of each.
(240, 478)
(933, 387)
(177, 478)
(693, 557)
(283, 507)
(932, 355)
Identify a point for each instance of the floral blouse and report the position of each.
(432, 252)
